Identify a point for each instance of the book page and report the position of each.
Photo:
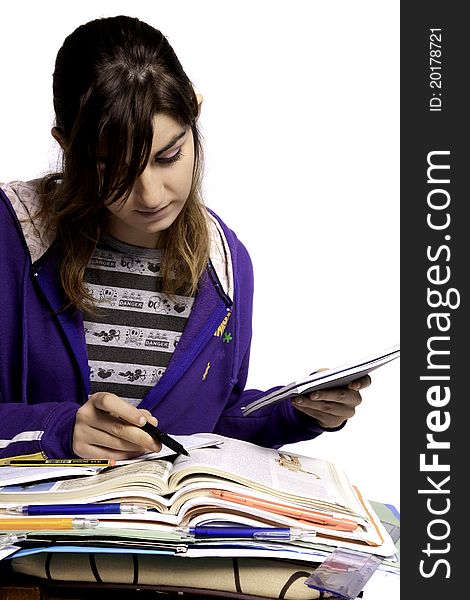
(305, 480)
(19, 475)
(153, 473)
(142, 479)
(189, 442)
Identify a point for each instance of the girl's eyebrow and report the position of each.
(171, 143)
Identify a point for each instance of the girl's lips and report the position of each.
(150, 210)
(153, 213)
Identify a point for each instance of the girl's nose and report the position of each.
(149, 190)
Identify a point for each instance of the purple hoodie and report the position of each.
(44, 373)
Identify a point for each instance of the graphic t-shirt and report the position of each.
(136, 328)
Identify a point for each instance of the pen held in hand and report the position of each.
(164, 438)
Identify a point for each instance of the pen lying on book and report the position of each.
(112, 508)
(61, 462)
(32, 523)
(164, 438)
(317, 518)
(254, 533)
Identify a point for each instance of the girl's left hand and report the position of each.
(331, 407)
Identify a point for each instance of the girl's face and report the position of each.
(159, 194)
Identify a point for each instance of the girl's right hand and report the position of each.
(107, 426)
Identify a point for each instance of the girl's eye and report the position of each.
(169, 157)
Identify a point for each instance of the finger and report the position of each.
(135, 435)
(154, 421)
(360, 384)
(112, 404)
(148, 416)
(96, 436)
(124, 432)
(90, 451)
(335, 409)
(341, 395)
(324, 418)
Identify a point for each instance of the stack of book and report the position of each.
(227, 498)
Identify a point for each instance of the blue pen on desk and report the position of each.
(114, 508)
(254, 533)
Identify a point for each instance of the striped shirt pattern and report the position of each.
(136, 328)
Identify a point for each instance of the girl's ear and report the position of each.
(200, 98)
(57, 135)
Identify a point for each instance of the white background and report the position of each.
(301, 126)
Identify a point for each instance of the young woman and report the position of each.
(125, 299)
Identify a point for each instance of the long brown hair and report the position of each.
(112, 75)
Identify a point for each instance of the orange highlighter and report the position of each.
(311, 516)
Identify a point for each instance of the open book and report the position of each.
(187, 490)
(336, 377)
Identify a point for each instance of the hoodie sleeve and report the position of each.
(44, 428)
(277, 424)
(30, 420)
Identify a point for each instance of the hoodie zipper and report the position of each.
(173, 375)
(229, 307)
(207, 332)
(218, 286)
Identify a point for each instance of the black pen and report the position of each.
(164, 438)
